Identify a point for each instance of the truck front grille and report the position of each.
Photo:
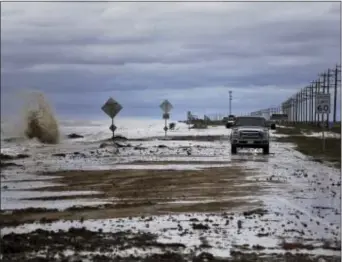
(250, 135)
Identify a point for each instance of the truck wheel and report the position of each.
(266, 150)
(227, 125)
(234, 150)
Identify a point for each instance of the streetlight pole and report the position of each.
(230, 102)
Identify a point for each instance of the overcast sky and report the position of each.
(80, 54)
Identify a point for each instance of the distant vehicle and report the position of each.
(277, 119)
(230, 120)
(172, 126)
(250, 132)
(271, 124)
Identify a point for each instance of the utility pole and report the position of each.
(328, 92)
(316, 91)
(335, 93)
(291, 108)
(306, 104)
(311, 102)
(324, 85)
(230, 102)
(297, 108)
(300, 105)
(294, 109)
(308, 90)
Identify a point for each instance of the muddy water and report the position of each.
(302, 198)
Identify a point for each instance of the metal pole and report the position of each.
(113, 128)
(297, 108)
(230, 102)
(165, 126)
(307, 111)
(291, 109)
(294, 110)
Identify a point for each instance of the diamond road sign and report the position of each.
(166, 106)
(112, 128)
(111, 108)
(323, 103)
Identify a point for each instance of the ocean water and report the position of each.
(12, 135)
(94, 129)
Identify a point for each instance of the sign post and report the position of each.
(166, 107)
(189, 117)
(323, 107)
(111, 108)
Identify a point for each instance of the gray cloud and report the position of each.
(189, 52)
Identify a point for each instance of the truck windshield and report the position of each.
(250, 121)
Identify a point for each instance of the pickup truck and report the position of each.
(229, 121)
(250, 132)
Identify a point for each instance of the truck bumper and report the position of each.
(250, 144)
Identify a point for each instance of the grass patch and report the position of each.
(307, 128)
(288, 131)
(312, 146)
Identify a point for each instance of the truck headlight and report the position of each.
(235, 133)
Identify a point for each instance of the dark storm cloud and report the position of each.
(192, 53)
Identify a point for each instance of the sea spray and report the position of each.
(39, 119)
